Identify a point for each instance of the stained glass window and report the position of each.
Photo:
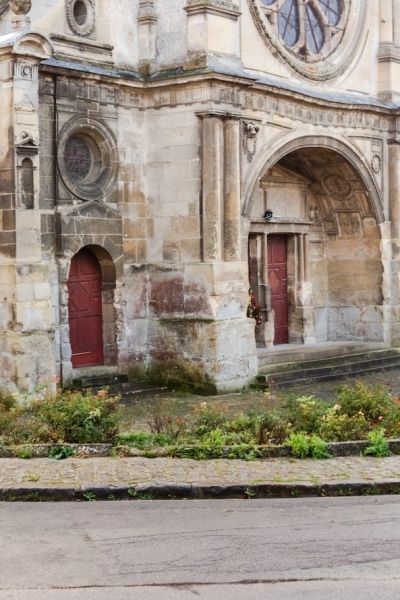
(308, 27)
(77, 158)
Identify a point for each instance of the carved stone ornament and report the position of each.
(250, 131)
(316, 38)
(81, 16)
(376, 163)
(26, 138)
(20, 7)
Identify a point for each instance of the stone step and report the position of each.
(292, 364)
(116, 384)
(303, 353)
(351, 365)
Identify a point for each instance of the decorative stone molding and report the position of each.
(81, 16)
(225, 7)
(20, 7)
(249, 138)
(376, 163)
(25, 140)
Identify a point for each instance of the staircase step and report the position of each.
(117, 384)
(99, 381)
(289, 374)
(337, 361)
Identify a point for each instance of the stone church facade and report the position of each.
(157, 158)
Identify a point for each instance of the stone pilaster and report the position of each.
(147, 23)
(212, 188)
(389, 51)
(386, 21)
(396, 23)
(27, 342)
(232, 190)
(213, 33)
(394, 206)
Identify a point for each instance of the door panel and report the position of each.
(85, 310)
(277, 280)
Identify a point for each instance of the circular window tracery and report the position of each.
(308, 27)
(87, 158)
(77, 158)
(308, 32)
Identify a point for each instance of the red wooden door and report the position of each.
(85, 310)
(277, 279)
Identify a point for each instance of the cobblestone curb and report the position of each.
(104, 450)
(176, 491)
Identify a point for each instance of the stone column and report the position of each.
(394, 208)
(232, 191)
(386, 21)
(394, 196)
(212, 188)
(396, 23)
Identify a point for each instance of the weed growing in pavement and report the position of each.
(378, 444)
(89, 496)
(132, 493)
(24, 452)
(303, 445)
(61, 452)
(250, 493)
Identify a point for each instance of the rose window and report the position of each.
(77, 158)
(310, 29)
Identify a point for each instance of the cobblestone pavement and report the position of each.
(133, 471)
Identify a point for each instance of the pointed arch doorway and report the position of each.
(85, 310)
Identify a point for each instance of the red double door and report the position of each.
(277, 280)
(85, 310)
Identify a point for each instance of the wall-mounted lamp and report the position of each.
(268, 215)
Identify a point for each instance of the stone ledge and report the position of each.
(173, 491)
(336, 449)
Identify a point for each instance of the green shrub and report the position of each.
(299, 444)
(374, 401)
(336, 426)
(378, 445)
(161, 418)
(78, 417)
(318, 448)
(304, 412)
(145, 441)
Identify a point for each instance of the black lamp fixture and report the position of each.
(268, 215)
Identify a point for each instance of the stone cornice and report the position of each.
(233, 90)
(222, 7)
(388, 52)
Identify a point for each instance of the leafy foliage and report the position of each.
(378, 445)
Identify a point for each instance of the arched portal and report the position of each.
(85, 310)
(316, 264)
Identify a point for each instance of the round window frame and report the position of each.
(333, 62)
(103, 146)
(86, 28)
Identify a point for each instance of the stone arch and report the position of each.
(282, 148)
(110, 268)
(32, 43)
(327, 210)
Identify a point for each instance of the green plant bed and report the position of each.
(302, 425)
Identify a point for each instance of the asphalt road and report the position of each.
(319, 549)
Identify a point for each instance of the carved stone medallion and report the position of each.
(20, 7)
(81, 16)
